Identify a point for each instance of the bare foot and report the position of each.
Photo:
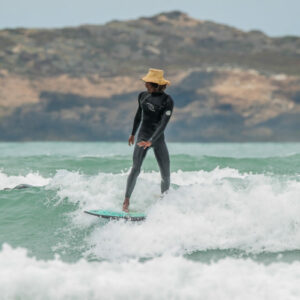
(126, 205)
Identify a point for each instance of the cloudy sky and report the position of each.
(274, 17)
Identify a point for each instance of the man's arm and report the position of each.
(137, 118)
(164, 121)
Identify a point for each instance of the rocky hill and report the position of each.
(81, 83)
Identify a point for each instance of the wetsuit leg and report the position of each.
(138, 156)
(162, 156)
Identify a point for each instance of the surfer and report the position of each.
(154, 111)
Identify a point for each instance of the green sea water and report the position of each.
(236, 202)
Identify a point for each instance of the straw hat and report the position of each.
(156, 76)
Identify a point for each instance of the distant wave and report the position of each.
(275, 165)
(33, 179)
(91, 165)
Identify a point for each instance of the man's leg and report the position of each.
(139, 154)
(162, 156)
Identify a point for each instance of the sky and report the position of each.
(274, 17)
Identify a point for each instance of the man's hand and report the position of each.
(145, 144)
(131, 140)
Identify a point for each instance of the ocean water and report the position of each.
(229, 228)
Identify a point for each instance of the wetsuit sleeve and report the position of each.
(138, 117)
(167, 113)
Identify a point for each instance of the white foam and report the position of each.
(23, 277)
(35, 179)
(221, 209)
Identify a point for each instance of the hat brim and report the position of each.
(154, 80)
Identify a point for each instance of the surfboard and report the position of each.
(108, 214)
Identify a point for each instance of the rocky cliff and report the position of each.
(82, 83)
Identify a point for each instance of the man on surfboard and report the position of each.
(154, 111)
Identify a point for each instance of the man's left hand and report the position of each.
(145, 144)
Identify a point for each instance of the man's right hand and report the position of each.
(131, 140)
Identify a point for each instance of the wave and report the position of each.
(32, 179)
(204, 210)
(221, 209)
(164, 277)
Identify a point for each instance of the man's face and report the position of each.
(149, 87)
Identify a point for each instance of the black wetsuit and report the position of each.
(154, 111)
